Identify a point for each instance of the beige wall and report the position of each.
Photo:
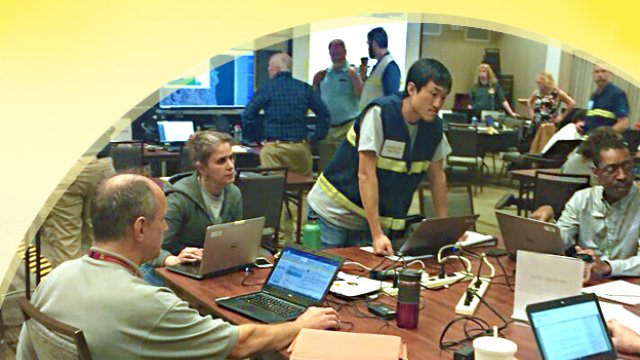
(459, 56)
(519, 57)
(524, 59)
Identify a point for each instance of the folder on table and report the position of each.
(339, 345)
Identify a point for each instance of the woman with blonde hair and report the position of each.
(486, 93)
(546, 100)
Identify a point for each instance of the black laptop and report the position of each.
(571, 328)
(300, 279)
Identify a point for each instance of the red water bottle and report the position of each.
(407, 312)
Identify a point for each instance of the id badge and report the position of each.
(393, 149)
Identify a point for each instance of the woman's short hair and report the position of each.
(203, 143)
(547, 79)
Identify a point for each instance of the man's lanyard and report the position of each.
(99, 256)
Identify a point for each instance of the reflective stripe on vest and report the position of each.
(337, 196)
(601, 113)
(398, 166)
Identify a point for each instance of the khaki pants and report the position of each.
(328, 146)
(68, 226)
(298, 159)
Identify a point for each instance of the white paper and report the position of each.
(620, 314)
(619, 290)
(544, 277)
(354, 285)
(239, 149)
(405, 258)
(474, 238)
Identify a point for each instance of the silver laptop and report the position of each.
(521, 233)
(432, 234)
(227, 247)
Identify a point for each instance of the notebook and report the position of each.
(300, 279)
(571, 328)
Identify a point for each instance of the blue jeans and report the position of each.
(332, 236)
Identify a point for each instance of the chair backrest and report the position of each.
(262, 194)
(461, 100)
(551, 188)
(459, 203)
(127, 155)
(51, 338)
(632, 139)
(515, 124)
(463, 140)
(185, 164)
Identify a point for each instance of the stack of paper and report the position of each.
(619, 290)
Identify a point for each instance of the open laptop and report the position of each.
(227, 247)
(521, 233)
(571, 328)
(432, 234)
(300, 279)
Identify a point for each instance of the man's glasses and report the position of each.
(612, 169)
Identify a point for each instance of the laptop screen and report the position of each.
(575, 331)
(174, 131)
(303, 273)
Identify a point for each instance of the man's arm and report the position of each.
(250, 125)
(438, 181)
(621, 125)
(317, 78)
(368, 185)
(356, 81)
(569, 221)
(254, 339)
(391, 79)
(322, 115)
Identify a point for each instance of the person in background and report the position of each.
(204, 197)
(385, 76)
(486, 93)
(124, 317)
(285, 102)
(339, 87)
(608, 105)
(580, 161)
(604, 220)
(545, 102)
(68, 227)
(367, 188)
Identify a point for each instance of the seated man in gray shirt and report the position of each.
(604, 221)
(124, 317)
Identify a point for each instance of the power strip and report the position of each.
(470, 308)
(435, 282)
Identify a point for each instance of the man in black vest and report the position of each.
(367, 188)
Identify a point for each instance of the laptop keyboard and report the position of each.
(273, 304)
(191, 268)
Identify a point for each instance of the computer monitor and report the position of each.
(175, 131)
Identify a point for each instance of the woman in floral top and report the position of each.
(544, 104)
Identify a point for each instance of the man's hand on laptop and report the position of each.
(543, 213)
(382, 245)
(320, 318)
(598, 266)
(187, 255)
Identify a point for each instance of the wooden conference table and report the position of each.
(422, 343)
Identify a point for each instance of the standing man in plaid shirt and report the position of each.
(283, 131)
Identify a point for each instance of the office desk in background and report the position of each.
(422, 343)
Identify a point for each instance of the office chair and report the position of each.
(51, 338)
(554, 189)
(127, 155)
(263, 195)
(465, 151)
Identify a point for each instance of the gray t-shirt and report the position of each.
(213, 203)
(371, 139)
(124, 317)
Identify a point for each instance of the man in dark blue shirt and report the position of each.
(283, 130)
(608, 105)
